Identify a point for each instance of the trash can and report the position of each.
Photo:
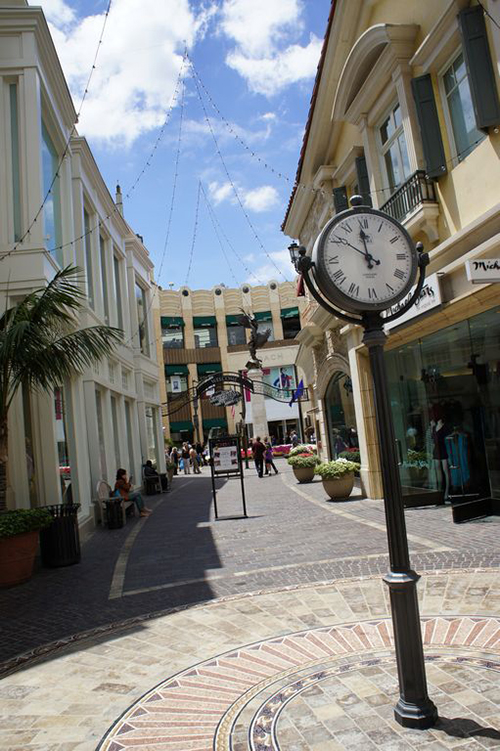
(114, 513)
(60, 543)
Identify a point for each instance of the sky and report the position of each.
(216, 216)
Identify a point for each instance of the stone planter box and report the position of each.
(17, 557)
(339, 487)
(303, 474)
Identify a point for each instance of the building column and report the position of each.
(259, 416)
(17, 475)
(76, 418)
(44, 438)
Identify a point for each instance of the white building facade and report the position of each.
(110, 416)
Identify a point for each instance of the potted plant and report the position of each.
(338, 477)
(303, 448)
(18, 543)
(303, 466)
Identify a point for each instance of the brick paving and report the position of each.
(181, 556)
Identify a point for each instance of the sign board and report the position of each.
(175, 384)
(222, 378)
(430, 297)
(225, 398)
(225, 459)
(483, 271)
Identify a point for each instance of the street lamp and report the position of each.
(295, 252)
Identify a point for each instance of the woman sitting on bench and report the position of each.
(123, 486)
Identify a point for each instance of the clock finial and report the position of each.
(357, 201)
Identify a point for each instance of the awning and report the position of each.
(266, 315)
(215, 422)
(233, 320)
(289, 312)
(171, 370)
(201, 321)
(181, 426)
(171, 321)
(207, 368)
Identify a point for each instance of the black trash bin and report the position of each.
(114, 513)
(60, 543)
(164, 482)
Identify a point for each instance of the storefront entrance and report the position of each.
(340, 416)
(445, 401)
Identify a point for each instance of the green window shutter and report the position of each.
(483, 87)
(214, 422)
(363, 179)
(233, 320)
(171, 370)
(204, 321)
(340, 201)
(289, 312)
(208, 368)
(167, 321)
(181, 426)
(265, 315)
(429, 125)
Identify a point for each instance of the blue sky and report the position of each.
(257, 59)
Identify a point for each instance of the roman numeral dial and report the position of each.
(364, 260)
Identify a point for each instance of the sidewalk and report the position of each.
(206, 606)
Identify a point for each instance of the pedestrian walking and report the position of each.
(174, 457)
(194, 460)
(185, 458)
(294, 438)
(258, 451)
(268, 457)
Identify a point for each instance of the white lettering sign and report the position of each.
(430, 297)
(483, 271)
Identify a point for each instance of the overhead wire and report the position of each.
(213, 221)
(195, 232)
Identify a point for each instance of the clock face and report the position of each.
(364, 260)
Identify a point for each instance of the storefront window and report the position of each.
(116, 436)
(151, 434)
(62, 439)
(142, 317)
(100, 434)
(338, 404)
(205, 336)
(172, 336)
(445, 409)
(130, 443)
(52, 196)
(236, 334)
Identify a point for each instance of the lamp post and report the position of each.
(334, 261)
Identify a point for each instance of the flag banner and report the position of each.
(297, 393)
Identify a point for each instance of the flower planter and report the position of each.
(303, 474)
(339, 487)
(17, 557)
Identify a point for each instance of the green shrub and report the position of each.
(303, 448)
(22, 520)
(337, 469)
(351, 456)
(303, 462)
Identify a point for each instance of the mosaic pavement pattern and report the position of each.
(308, 668)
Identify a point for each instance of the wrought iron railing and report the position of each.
(417, 190)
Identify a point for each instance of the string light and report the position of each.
(195, 232)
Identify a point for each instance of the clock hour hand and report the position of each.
(369, 258)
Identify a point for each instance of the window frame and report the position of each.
(144, 343)
(450, 133)
(384, 148)
(48, 141)
(196, 334)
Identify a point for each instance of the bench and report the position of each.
(104, 494)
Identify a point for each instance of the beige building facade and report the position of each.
(108, 417)
(199, 334)
(405, 112)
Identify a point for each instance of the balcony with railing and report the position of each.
(415, 205)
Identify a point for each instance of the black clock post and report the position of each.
(414, 708)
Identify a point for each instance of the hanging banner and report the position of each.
(483, 271)
(175, 384)
(430, 297)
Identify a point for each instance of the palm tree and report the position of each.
(39, 347)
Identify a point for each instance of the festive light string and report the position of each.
(195, 232)
(5, 255)
(233, 186)
(219, 233)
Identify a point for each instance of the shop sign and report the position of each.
(225, 398)
(175, 384)
(430, 297)
(226, 455)
(483, 271)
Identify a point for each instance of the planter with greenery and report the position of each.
(40, 348)
(338, 477)
(303, 448)
(303, 466)
(18, 543)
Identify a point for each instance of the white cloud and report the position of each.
(258, 200)
(261, 199)
(267, 271)
(137, 66)
(266, 52)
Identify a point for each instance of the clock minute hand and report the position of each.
(343, 241)
(370, 259)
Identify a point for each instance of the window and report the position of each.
(130, 443)
(114, 419)
(100, 434)
(104, 278)
(460, 109)
(88, 258)
(236, 333)
(176, 377)
(151, 433)
(14, 140)
(205, 331)
(172, 332)
(51, 189)
(118, 291)
(291, 322)
(393, 149)
(62, 438)
(140, 298)
(263, 326)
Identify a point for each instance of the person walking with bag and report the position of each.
(268, 456)
(185, 458)
(258, 451)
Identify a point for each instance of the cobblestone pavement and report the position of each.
(310, 668)
(180, 556)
